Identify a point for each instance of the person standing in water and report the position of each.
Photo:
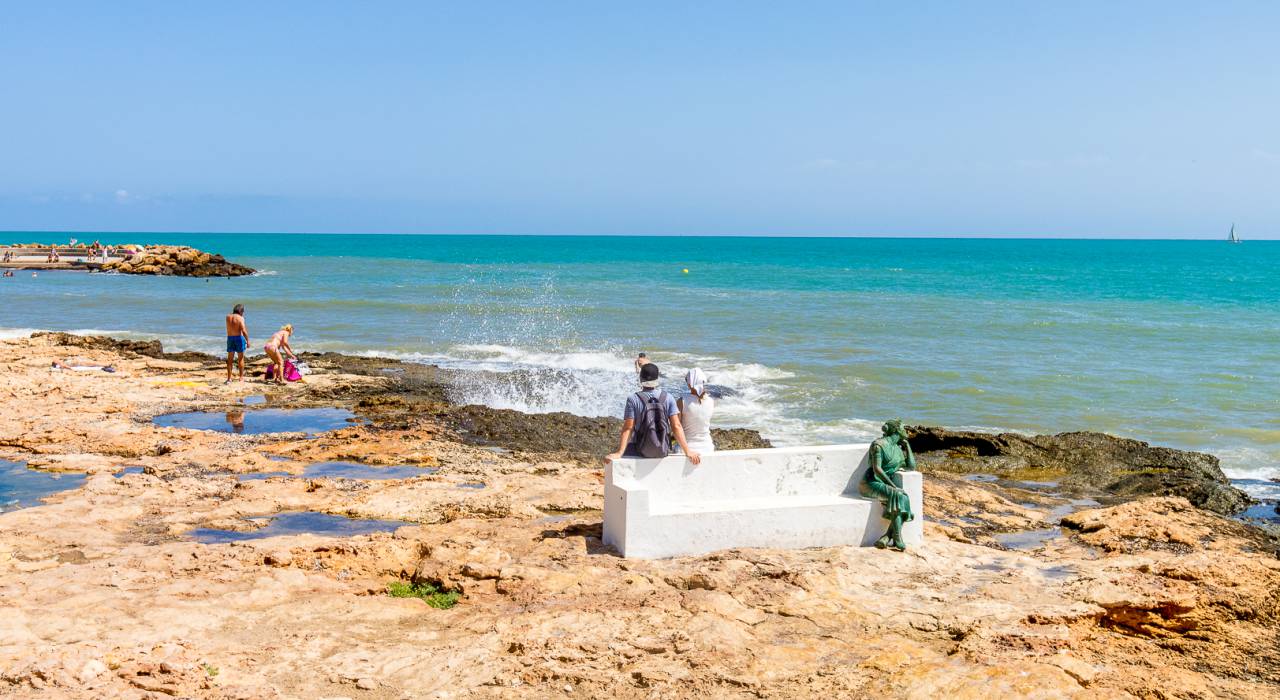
(279, 341)
(237, 340)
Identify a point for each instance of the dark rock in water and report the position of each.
(719, 392)
(738, 439)
(564, 433)
(1082, 461)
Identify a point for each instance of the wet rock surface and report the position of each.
(564, 433)
(1086, 462)
(108, 596)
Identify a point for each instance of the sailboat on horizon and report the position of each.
(1232, 237)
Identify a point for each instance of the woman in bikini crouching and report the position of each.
(279, 341)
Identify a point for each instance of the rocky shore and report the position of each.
(176, 261)
(1076, 565)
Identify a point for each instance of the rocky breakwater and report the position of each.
(177, 261)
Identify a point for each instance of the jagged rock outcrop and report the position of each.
(565, 433)
(1083, 460)
(129, 348)
(178, 261)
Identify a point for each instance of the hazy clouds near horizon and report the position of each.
(1110, 119)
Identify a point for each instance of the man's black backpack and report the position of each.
(652, 432)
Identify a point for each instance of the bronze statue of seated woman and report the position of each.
(890, 454)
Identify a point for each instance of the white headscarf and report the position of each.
(697, 382)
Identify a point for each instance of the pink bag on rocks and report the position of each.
(291, 373)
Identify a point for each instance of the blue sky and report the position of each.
(1131, 119)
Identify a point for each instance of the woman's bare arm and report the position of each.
(679, 431)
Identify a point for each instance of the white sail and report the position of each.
(1232, 237)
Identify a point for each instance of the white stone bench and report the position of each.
(786, 498)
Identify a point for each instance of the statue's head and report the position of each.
(893, 427)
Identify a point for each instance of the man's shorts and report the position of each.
(236, 343)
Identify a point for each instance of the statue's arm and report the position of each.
(875, 464)
(911, 456)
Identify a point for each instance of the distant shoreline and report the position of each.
(642, 235)
(130, 259)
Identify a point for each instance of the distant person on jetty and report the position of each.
(696, 410)
(278, 342)
(237, 340)
(649, 420)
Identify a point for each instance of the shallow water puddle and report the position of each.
(1027, 540)
(21, 487)
(1268, 492)
(347, 470)
(126, 471)
(1038, 485)
(1062, 511)
(355, 470)
(260, 476)
(263, 420)
(254, 400)
(471, 485)
(1268, 511)
(1059, 572)
(299, 523)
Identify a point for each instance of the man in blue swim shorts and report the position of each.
(237, 340)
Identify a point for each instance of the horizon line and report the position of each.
(632, 235)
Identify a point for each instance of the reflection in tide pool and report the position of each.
(299, 523)
(347, 470)
(265, 420)
(1027, 540)
(355, 470)
(21, 487)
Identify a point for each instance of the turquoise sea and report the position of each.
(1174, 342)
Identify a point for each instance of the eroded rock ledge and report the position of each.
(1084, 461)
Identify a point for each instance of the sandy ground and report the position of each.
(106, 594)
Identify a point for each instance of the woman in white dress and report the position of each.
(695, 412)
